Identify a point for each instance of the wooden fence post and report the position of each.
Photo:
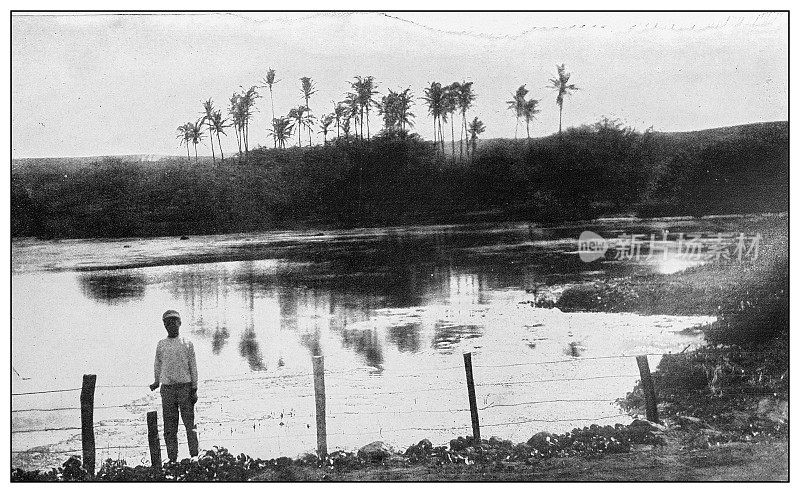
(87, 422)
(473, 405)
(152, 439)
(648, 388)
(319, 397)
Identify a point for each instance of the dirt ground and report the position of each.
(768, 461)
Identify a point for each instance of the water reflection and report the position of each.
(406, 337)
(323, 292)
(113, 288)
(311, 340)
(219, 339)
(447, 335)
(250, 350)
(366, 344)
(311, 301)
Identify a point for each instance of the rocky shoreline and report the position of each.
(464, 459)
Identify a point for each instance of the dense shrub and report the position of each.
(602, 169)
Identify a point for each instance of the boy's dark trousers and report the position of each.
(177, 398)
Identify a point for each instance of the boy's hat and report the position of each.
(170, 314)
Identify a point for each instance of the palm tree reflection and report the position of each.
(406, 337)
(249, 349)
(365, 343)
(219, 339)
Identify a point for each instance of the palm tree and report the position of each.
(340, 113)
(353, 111)
(235, 110)
(298, 116)
(405, 100)
(434, 97)
(208, 113)
(476, 128)
(560, 85)
(529, 111)
(517, 105)
(196, 135)
(465, 99)
(450, 104)
(246, 102)
(308, 121)
(364, 89)
(219, 125)
(281, 130)
(325, 123)
(270, 81)
(395, 108)
(185, 135)
(307, 88)
(388, 108)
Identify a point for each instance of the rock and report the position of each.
(460, 443)
(375, 451)
(774, 410)
(420, 451)
(643, 424)
(425, 445)
(498, 443)
(541, 441)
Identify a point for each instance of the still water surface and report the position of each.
(392, 311)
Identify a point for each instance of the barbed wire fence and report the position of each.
(320, 414)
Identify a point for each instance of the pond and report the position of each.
(392, 310)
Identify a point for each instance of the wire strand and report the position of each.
(44, 392)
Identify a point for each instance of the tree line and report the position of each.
(350, 117)
(603, 169)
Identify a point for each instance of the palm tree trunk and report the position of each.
(466, 135)
(195, 154)
(441, 136)
(453, 135)
(188, 156)
(560, 110)
(272, 102)
(246, 133)
(211, 136)
(236, 131)
(434, 135)
(220, 148)
(461, 137)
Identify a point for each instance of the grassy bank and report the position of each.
(593, 170)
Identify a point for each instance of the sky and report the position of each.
(89, 85)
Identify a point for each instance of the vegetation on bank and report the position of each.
(220, 465)
(397, 178)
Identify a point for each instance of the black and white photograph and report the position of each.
(398, 246)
